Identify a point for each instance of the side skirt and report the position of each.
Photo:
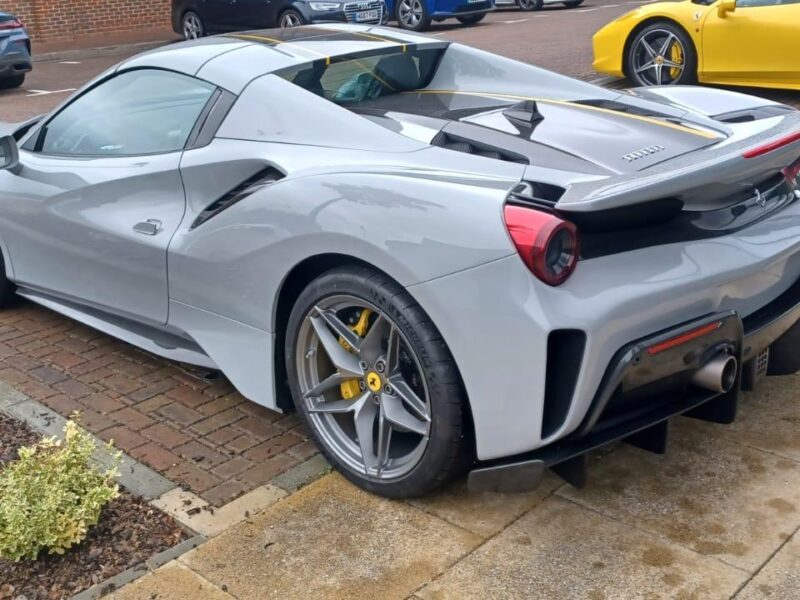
(152, 339)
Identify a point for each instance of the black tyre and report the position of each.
(471, 19)
(412, 15)
(661, 54)
(573, 3)
(376, 384)
(7, 289)
(192, 26)
(291, 18)
(530, 4)
(9, 83)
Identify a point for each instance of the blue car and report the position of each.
(417, 15)
(15, 52)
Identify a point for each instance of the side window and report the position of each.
(145, 111)
(756, 3)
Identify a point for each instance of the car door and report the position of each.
(90, 214)
(757, 42)
(217, 15)
(252, 14)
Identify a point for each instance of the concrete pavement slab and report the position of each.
(780, 577)
(485, 514)
(563, 550)
(173, 581)
(716, 497)
(331, 540)
(195, 513)
(768, 419)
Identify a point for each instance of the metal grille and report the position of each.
(762, 363)
(352, 8)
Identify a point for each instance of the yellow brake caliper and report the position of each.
(676, 56)
(350, 389)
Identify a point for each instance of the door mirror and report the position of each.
(725, 7)
(9, 154)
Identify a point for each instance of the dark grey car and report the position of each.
(197, 18)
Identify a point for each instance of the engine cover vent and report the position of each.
(459, 144)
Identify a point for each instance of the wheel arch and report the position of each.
(652, 21)
(296, 280)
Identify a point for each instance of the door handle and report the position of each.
(149, 227)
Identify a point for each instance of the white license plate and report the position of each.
(366, 15)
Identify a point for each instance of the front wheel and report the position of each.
(291, 18)
(413, 15)
(661, 54)
(471, 19)
(375, 382)
(192, 26)
(530, 4)
(7, 289)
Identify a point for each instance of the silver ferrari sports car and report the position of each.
(443, 259)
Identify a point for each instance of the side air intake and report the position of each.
(250, 186)
(565, 348)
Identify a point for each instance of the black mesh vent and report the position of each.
(458, 144)
(565, 348)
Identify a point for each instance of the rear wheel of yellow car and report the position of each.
(661, 54)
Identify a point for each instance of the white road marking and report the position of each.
(48, 92)
(515, 21)
(70, 62)
(588, 9)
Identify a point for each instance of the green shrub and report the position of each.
(52, 495)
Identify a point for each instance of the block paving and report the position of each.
(198, 432)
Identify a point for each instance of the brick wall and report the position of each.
(55, 20)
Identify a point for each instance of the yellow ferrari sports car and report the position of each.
(731, 42)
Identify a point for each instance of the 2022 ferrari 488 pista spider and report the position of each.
(441, 258)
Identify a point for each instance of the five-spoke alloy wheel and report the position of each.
(291, 18)
(413, 15)
(375, 382)
(192, 26)
(661, 54)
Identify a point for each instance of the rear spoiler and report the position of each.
(742, 160)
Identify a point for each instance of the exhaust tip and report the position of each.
(718, 375)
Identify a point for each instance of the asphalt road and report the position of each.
(555, 38)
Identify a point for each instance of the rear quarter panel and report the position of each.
(415, 224)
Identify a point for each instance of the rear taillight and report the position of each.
(773, 145)
(792, 173)
(12, 24)
(547, 245)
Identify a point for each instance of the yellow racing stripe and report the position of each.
(652, 121)
(277, 42)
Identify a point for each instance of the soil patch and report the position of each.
(130, 531)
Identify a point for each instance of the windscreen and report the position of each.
(349, 80)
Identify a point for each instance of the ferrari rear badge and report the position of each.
(642, 153)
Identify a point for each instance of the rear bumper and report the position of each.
(15, 56)
(641, 391)
(608, 46)
(533, 357)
